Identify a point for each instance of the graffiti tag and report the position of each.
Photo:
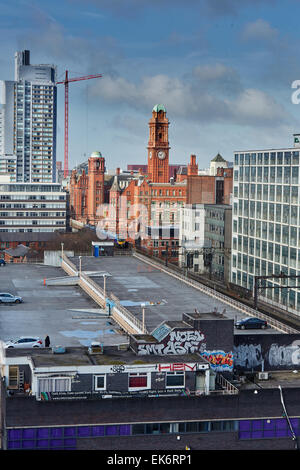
(179, 342)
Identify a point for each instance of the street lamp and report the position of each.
(104, 289)
(143, 310)
(62, 251)
(80, 266)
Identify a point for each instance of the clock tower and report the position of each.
(158, 146)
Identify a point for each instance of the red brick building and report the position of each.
(145, 211)
(87, 190)
(207, 189)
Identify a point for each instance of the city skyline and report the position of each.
(223, 70)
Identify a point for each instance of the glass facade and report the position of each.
(65, 438)
(266, 223)
(268, 428)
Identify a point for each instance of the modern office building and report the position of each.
(32, 207)
(265, 223)
(28, 122)
(205, 239)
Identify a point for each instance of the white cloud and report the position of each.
(257, 107)
(259, 30)
(192, 100)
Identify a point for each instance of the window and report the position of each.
(138, 381)
(13, 378)
(61, 384)
(174, 379)
(100, 382)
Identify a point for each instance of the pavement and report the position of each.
(66, 313)
(72, 319)
(135, 283)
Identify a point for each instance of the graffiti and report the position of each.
(219, 360)
(160, 379)
(284, 355)
(248, 355)
(274, 352)
(117, 368)
(179, 342)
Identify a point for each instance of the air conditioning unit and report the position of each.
(263, 375)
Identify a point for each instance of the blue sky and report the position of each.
(222, 68)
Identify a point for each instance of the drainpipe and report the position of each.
(294, 437)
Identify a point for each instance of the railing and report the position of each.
(123, 252)
(226, 386)
(217, 295)
(68, 266)
(128, 315)
(126, 320)
(92, 289)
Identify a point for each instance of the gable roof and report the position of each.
(218, 158)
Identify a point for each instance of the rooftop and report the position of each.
(165, 297)
(112, 355)
(218, 158)
(283, 378)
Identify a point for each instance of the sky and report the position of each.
(222, 68)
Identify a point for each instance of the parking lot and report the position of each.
(165, 298)
(65, 313)
(71, 318)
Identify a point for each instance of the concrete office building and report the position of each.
(265, 226)
(28, 122)
(32, 207)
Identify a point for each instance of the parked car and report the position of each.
(2, 262)
(9, 298)
(24, 342)
(251, 323)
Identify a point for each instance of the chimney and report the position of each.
(117, 171)
(192, 166)
(26, 57)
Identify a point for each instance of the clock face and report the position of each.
(161, 154)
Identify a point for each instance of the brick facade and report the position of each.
(149, 197)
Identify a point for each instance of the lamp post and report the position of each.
(143, 311)
(62, 251)
(79, 266)
(184, 261)
(104, 289)
(167, 249)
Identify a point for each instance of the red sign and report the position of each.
(177, 367)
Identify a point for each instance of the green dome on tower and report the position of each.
(96, 154)
(159, 107)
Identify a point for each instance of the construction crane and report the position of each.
(66, 82)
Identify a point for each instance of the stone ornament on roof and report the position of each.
(218, 158)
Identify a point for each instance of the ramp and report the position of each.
(62, 281)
